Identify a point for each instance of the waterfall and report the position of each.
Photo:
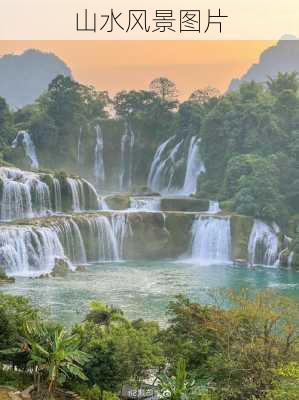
(211, 240)
(29, 250)
(120, 228)
(158, 159)
(214, 207)
(163, 171)
(40, 195)
(99, 170)
(57, 195)
(145, 203)
(263, 246)
(24, 195)
(16, 201)
(127, 147)
(25, 139)
(78, 196)
(194, 167)
(106, 246)
(72, 240)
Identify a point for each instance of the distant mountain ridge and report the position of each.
(283, 57)
(25, 77)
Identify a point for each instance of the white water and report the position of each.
(263, 246)
(126, 166)
(29, 251)
(120, 228)
(99, 170)
(24, 195)
(211, 240)
(57, 195)
(80, 148)
(25, 138)
(145, 203)
(167, 160)
(159, 156)
(163, 173)
(101, 233)
(72, 240)
(214, 207)
(78, 196)
(194, 167)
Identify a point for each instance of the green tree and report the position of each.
(165, 88)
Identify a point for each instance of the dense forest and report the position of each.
(206, 352)
(249, 138)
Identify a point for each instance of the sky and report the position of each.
(126, 65)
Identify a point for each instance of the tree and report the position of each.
(165, 88)
(202, 96)
(54, 354)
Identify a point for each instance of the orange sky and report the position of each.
(118, 65)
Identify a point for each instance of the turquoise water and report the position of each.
(143, 289)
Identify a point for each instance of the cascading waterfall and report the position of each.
(145, 203)
(26, 194)
(120, 228)
(41, 197)
(29, 250)
(194, 167)
(159, 157)
(72, 240)
(78, 196)
(99, 170)
(57, 195)
(127, 148)
(24, 138)
(211, 240)
(16, 201)
(100, 233)
(167, 160)
(263, 246)
(214, 207)
(163, 170)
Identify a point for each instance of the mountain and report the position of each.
(24, 77)
(283, 57)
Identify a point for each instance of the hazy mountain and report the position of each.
(24, 77)
(283, 57)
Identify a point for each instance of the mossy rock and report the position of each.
(118, 201)
(241, 227)
(61, 268)
(184, 204)
(179, 226)
(4, 278)
(149, 237)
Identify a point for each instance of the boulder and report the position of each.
(81, 268)
(4, 278)
(61, 268)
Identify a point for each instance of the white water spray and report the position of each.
(211, 240)
(263, 246)
(24, 138)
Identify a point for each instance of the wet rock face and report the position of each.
(184, 204)
(241, 227)
(149, 237)
(118, 201)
